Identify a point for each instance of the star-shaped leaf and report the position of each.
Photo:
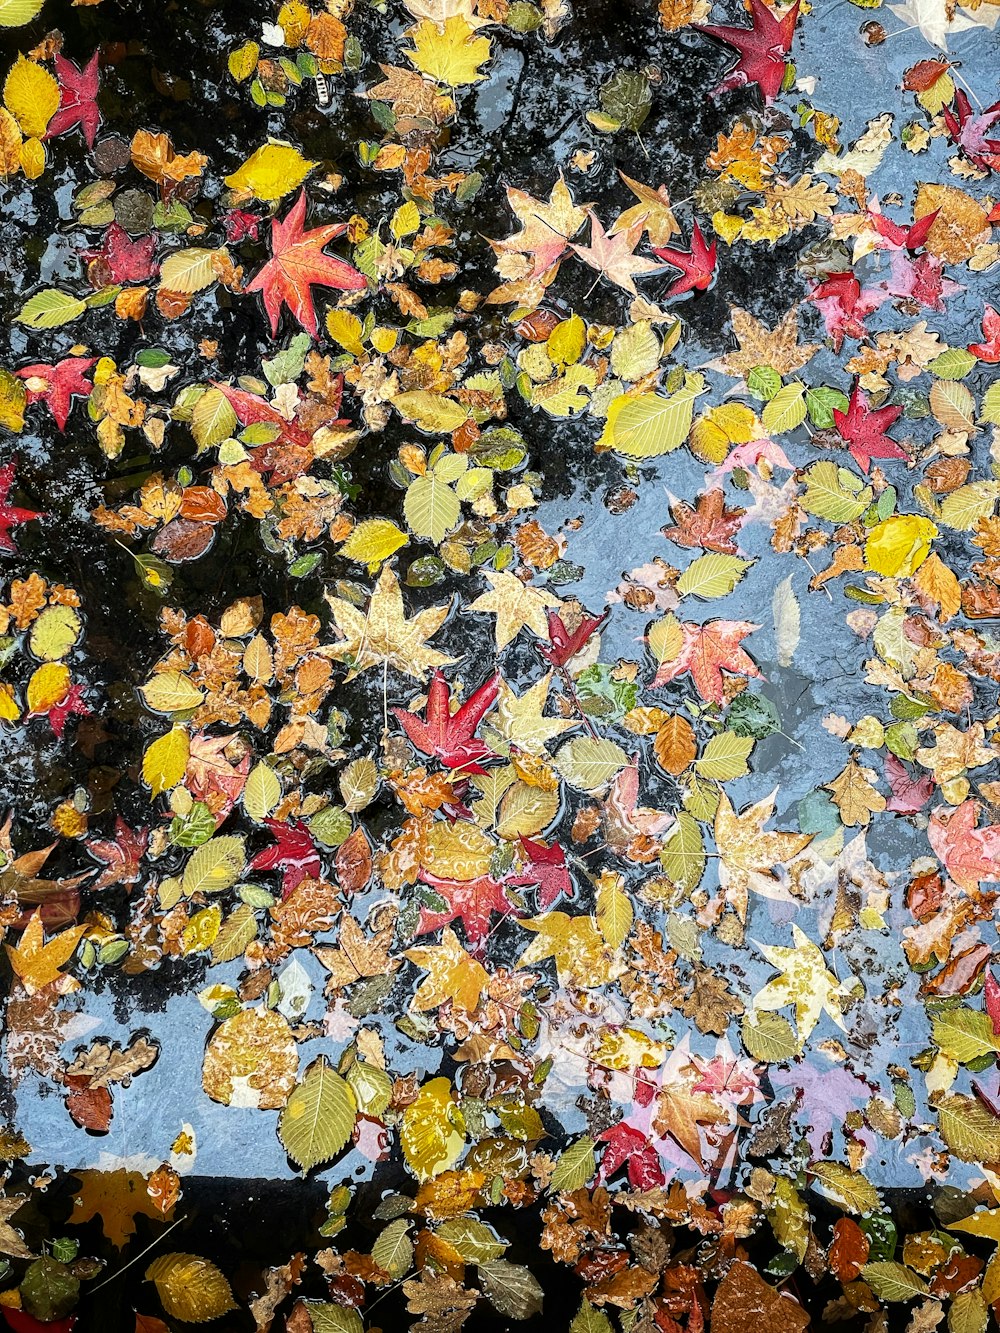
(10, 515)
(864, 429)
(653, 212)
(748, 855)
(545, 228)
(762, 49)
(515, 605)
(453, 975)
(472, 901)
(77, 99)
(706, 651)
(521, 719)
(297, 264)
(805, 982)
(451, 736)
(36, 964)
(697, 265)
(57, 385)
(613, 255)
(384, 634)
(574, 942)
(778, 348)
(709, 524)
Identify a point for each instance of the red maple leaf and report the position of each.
(901, 238)
(71, 702)
(77, 104)
(564, 645)
(120, 259)
(863, 429)
(452, 736)
(297, 264)
(709, 525)
(843, 305)
(547, 868)
(969, 132)
(969, 854)
(628, 1145)
(22, 1322)
(991, 995)
(293, 853)
(921, 278)
(706, 651)
(121, 855)
(697, 264)
(10, 515)
(762, 49)
(473, 901)
(57, 385)
(238, 224)
(988, 351)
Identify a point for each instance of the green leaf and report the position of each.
(626, 98)
(589, 763)
(49, 309)
(590, 1320)
(683, 853)
(393, 1251)
(893, 1282)
(333, 1318)
(968, 1313)
(262, 792)
(15, 12)
(237, 931)
(968, 1128)
(212, 419)
(964, 507)
(725, 757)
(319, 1118)
(473, 1239)
(712, 575)
(575, 1166)
(215, 866)
(511, 1289)
(846, 1188)
(785, 411)
(649, 425)
(190, 270)
(430, 412)
(820, 403)
(834, 493)
(989, 410)
(768, 1037)
(954, 364)
(431, 507)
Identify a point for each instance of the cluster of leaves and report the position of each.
(510, 879)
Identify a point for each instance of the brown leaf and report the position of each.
(744, 1300)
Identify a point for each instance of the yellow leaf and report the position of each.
(36, 963)
(13, 397)
(32, 158)
(201, 930)
(9, 708)
(165, 761)
(243, 61)
(54, 633)
(614, 909)
(451, 55)
(190, 1288)
(47, 686)
(13, 13)
(31, 95)
(170, 692)
(453, 975)
(271, 172)
(937, 582)
(373, 541)
(898, 545)
(567, 340)
(346, 329)
(430, 1137)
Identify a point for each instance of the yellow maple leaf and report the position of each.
(522, 719)
(385, 635)
(450, 54)
(854, 796)
(453, 974)
(805, 982)
(574, 942)
(748, 855)
(36, 963)
(515, 605)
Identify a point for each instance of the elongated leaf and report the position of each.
(319, 1118)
